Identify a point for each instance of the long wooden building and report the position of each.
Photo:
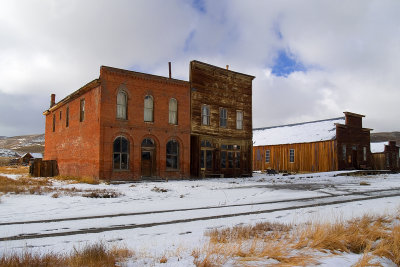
(324, 145)
(385, 156)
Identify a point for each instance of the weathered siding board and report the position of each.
(220, 88)
(308, 157)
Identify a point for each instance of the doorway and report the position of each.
(148, 161)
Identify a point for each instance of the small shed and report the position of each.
(385, 155)
(24, 159)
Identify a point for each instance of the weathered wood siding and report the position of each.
(220, 88)
(378, 161)
(308, 157)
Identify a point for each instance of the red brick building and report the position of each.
(127, 125)
(123, 125)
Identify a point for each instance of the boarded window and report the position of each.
(172, 154)
(67, 117)
(122, 104)
(223, 117)
(82, 110)
(239, 120)
(173, 111)
(267, 155)
(121, 153)
(291, 155)
(54, 122)
(344, 152)
(365, 153)
(205, 115)
(148, 108)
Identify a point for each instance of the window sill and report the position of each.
(120, 119)
(172, 170)
(120, 170)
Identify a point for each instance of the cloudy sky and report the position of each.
(312, 59)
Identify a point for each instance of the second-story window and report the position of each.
(67, 117)
(82, 110)
(173, 111)
(121, 105)
(205, 115)
(223, 117)
(148, 108)
(239, 120)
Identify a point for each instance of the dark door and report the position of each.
(354, 159)
(147, 163)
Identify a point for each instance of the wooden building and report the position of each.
(385, 156)
(221, 121)
(317, 146)
(127, 125)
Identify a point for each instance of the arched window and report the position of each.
(173, 111)
(122, 102)
(148, 108)
(172, 154)
(205, 115)
(121, 153)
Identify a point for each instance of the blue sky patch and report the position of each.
(199, 5)
(286, 63)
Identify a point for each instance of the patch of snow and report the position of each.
(8, 153)
(378, 147)
(323, 130)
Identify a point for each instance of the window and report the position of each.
(122, 101)
(223, 115)
(237, 159)
(121, 153)
(239, 120)
(60, 115)
(54, 122)
(148, 108)
(172, 154)
(67, 117)
(267, 155)
(344, 151)
(291, 155)
(173, 111)
(205, 115)
(206, 155)
(82, 110)
(365, 153)
(258, 155)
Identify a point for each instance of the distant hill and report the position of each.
(33, 143)
(386, 136)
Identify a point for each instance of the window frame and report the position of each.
(239, 127)
(267, 157)
(365, 153)
(344, 152)
(171, 112)
(148, 110)
(291, 155)
(82, 110)
(223, 117)
(206, 116)
(54, 122)
(120, 153)
(122, 106)
(173, 155)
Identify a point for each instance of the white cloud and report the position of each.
(351, 49)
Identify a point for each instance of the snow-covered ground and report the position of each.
(155, 223)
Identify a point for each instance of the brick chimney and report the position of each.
(169, 67)
(52, 100)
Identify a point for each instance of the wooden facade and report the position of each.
(349, 148)
(221, 121)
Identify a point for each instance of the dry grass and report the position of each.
(17, 169)
(96, 255)
(284, 245)
(77, 179)
(40, 186)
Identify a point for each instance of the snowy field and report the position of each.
(170, 218)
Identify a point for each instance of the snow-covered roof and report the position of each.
(314, 131)
(37, 155)
(378, 147)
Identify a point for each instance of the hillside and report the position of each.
(386, 136)
(33, 143)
